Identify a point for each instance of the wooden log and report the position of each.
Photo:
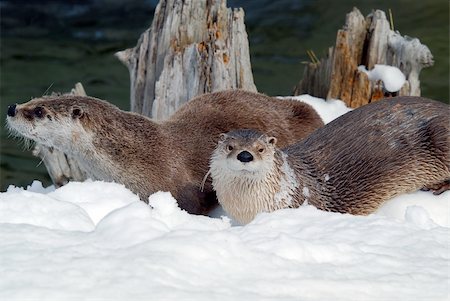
(346, 57)
(193, 47)
(361, 90)
(60, 167)
(365, 41)
(410, 56)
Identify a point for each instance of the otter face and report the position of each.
(50, 121)
(245, 151)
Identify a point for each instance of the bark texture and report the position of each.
(192, 47)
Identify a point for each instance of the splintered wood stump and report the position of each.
(60, 167)
(365, 41)
(193, 47)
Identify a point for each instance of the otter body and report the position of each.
(351, 165)
(145, 156)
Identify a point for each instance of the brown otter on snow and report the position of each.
(145, 156)
(351, 165)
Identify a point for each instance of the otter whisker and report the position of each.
(27, 143)
(40, 162)
(46, 91)
(42, 158)
(202, 186)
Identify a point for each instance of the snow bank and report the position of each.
(52, 248)
(96, 240)
(36, 209)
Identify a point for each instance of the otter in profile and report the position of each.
(145, 156)
(351, 165)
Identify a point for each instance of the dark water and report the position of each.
(58, 43)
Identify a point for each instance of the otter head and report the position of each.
(54, 121)
(245, 152)
(248, 174)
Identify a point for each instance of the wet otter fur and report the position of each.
(145, 156)
(351, 165)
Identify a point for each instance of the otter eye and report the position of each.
(77, 112)
(38, 112)
(230, 148)
(261, 150)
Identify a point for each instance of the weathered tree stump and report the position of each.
(364, 41)
(193, 47)
(60, 167)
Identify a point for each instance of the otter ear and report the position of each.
(272, 140)
(77, 112)
(223, 137)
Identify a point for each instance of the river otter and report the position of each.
(351, 165)
(145, 156)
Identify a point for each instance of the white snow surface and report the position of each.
(393, 79)
(97, 241)
(328, 110)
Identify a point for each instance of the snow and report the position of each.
(288, 184)
(393, 79)
(328, 110)
(97, 241)
(305, 192)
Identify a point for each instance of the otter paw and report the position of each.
(438, 188)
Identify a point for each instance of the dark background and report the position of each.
(51, 45)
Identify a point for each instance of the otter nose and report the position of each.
(12, 110)
(245, 156)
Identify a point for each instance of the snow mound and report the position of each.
(419, 206)
(96, 198)
(18, 206)
(393, 79)
(328, 110)
(50, 249)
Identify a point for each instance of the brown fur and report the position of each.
(351, 165)
(145, 156)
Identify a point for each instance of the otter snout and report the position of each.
(245, 157)
(12, 110)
